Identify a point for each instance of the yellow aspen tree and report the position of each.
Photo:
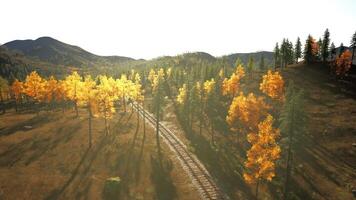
(71, 84)
(182, 94)
(263, 154)
(88, 98)
(51, 88)
(122, 86)
(157, 80)
(105, 99)
(135, 95)
(34, 87)
(60, 95)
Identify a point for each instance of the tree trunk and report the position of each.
(124, 102)
(353, 54)
(258, 184)
(157, 136)
(16, 109)
(106, 124)
(144, 119)
(200, 124)
(212, 133)
(2, 102)
(90, 125)
(76, 109)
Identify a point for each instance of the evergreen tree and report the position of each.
(298, 50)
(238, 62)
(283, 53)
(353, 46)
(4, 87)
(276, 55)
(262, 63)
(310, 50)
(332, 50)
(286, 53)
(341, 49)
(320, 44)
(293, 122)
(325, 45)
(250, 65)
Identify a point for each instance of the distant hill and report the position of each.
(51, 50)
(50, 56)
(268, 56)
(16, 65)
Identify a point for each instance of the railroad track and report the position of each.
(201, 178)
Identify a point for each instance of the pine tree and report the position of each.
(292, 123)
(276, 56)
(320, 44)
(157, 81)
(332, 50)
(286, 53)
(341, 49)
(250, 65)
(262, 63)
(353, 46)
(325, 45)
(310, 50)
(4, 87)
(210, 100)
(298, 50)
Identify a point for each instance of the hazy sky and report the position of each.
(151, 28)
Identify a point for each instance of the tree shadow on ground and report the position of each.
(81, 174)
(31, 149)
(162, 180)
(34, 122)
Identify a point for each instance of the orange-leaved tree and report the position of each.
(246, 111)
(34, 87)
(272, 85)
(262, 155)
(343, 63)
(231, 86)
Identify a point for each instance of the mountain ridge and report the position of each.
(54, 51)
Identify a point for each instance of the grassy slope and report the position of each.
(326, 159)
(52, 161)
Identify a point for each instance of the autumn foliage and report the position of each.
(343, 63)
(263, 153)
(247, 110)
(272, 85)
(232, 85)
